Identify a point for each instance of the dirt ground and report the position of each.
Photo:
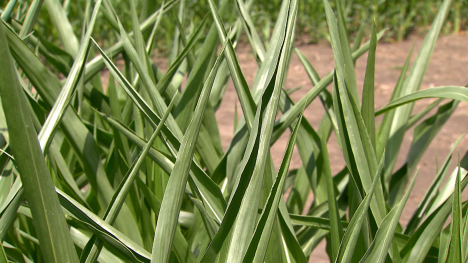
(449, 66)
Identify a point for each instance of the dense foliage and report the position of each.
(131, 169)
(399, 17)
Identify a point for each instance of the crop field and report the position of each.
(207, 131)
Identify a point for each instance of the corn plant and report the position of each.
(130, 167)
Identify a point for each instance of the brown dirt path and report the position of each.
(449, 66)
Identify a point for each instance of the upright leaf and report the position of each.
(412, 83)
(455, 253)
(259, 243)
(353, 230)
(383, 239)
(173, 195)
(367, 110)
(50, 226)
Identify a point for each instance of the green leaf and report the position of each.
(465, 238)
(80, 239)
(238, 78)
(424, 133)
(336, 229)
(259, 243)
(96, 64)
(367, 109)
(251, 31)
(289, 116)
(3, 256)
(454, 253)
(431, 192)
(211, 194)
(412, 83)
(63, 26)
(94, 246)
(422, 239)
(30, 18)
(81, 215)
(350, 238)
(446, 92)
(357, 148)
(240, 218)
(63, 99)
(383, 239)
(51, 229)
(81, 140)
(173, 194)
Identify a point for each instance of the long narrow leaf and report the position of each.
(383, 239)
(173, 195)
(52, 230)
(259, 243)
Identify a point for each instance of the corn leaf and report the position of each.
(56, 243)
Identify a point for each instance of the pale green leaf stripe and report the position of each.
(62, 24)
(245, 222)
(124, 187)
(356, 146)
(136, 98)
(377, 252)
(172, 200)
(210, 193)
(267, 69)
(423, 135)
(445, 92)
(251, 31)
(240, 217)
(431, 192)
(346, 54)
(138, 36)
(336, 231)
(51, 228)
(95, 65)
(420, 242)
(3, 256)
(384, 130)
(210, 226)
(447, 190)
(195, 79)
(181, 247)
(8, 9)
(61, 104)
(147, 78)
(455, 248)
(151, 39)
(412, 83)
(166, 79)
(422, 239)
(13, 192)
(82, 141)
(288, 117)
(121, 192)
(129, 89)
(8, 214)
(148, 83)
(465, 238)
(80, 239)
(30, 19)
(242, 89)
(108, 233)
(324, 223)
(350, 238)
(259, 243)
(368, 109)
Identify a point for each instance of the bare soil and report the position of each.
(449, 66)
